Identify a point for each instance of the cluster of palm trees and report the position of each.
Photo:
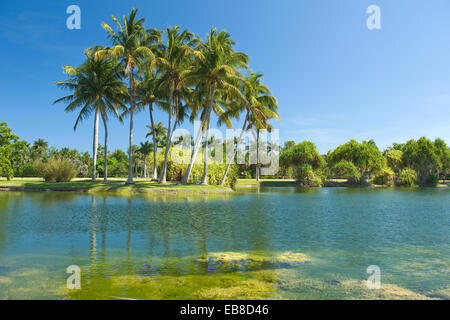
(184, 76)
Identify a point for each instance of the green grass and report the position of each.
(114, 185)
(265, 183)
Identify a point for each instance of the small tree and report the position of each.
(422, 156)
(307, 163)
(365, 157)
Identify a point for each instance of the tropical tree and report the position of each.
(130, 48)
(216, 70)
(7, 139)
(394, 159)
(145, 149)
(157, 131)
(173, 62)
(424, 157)
(39, 148)
(307, 161)
(356, 161)
(97, 88)
(259, 107)
(149, 94)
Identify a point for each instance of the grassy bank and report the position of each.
(114, 185)
(250, 183)
(242, 183)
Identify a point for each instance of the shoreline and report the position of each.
(142, 187)
(114, 187)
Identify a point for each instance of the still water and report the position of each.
(240, 246)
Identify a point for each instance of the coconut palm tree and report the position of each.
(216, 69)
(172, 64)
(145, 149)
(157, 131)
(97, 88)
(40, 147)
(149, 94)
(130, 48)
(259, 107)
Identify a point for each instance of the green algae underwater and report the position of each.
(289, 244)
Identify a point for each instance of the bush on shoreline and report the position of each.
(57, 170)
(408, 178)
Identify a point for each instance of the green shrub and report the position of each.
(29, 170)
(307, 177)
(56, 170)
(175, 172)
(384, 177)
(408, 178)
(432, 180)
(6, 168)
(346, 169)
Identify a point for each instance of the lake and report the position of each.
(273, 243)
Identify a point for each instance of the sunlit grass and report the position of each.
(116, 185)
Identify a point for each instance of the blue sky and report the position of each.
(335, 80)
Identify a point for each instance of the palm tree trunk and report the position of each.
(130, 150)
(95, 146)
(145, 166)
(155, 147)
(197, 144)
(205, 159)
(162, 179)
(235, 151)
(105, 175)
(257, 154)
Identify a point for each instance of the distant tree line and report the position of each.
(422, 162)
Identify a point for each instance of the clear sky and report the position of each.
(335, 80)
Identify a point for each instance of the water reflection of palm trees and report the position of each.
(93, 223)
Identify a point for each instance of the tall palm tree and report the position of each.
(172, 63)
(145, 149)
(129, 46)
(157, 131)
(217, 69)
(97, 87)
(259, 106)
(149, 94)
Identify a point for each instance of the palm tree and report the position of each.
(129, 46)
(149, 94)
(40, 147)
(217, 69)
(97, 87)
(157, 131)
(172, 63)
(145, 149)
(259, 106)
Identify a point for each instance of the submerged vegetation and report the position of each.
(239, 283)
